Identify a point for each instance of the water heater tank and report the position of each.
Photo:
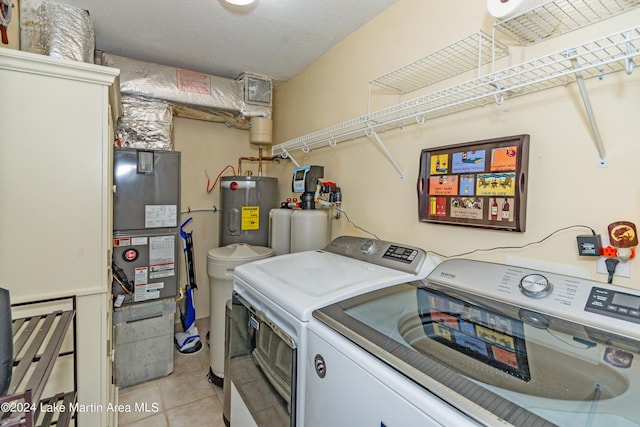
(245, 202)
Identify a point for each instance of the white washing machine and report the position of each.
(272, 303)
(477, 343)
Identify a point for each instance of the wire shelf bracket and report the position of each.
(386, 151)
(588, 108)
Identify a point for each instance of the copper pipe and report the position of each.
(256, 159)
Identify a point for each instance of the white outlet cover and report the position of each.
(623, 269)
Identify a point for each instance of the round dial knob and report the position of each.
(368, 247)
(535, 286)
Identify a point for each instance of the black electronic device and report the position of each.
(589, 245)
(305, 181)
(6, 342)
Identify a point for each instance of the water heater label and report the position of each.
(250, 217)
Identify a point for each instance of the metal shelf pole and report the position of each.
(589, 110)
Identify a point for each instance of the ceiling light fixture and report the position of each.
(240, 2)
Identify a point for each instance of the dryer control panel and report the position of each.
(387, 254)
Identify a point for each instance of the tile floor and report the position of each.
(184, 398)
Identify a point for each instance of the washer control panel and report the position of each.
(573, 298)
(387, 254)
(616, 304)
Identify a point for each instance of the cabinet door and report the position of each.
(55, 201)
(53, 184)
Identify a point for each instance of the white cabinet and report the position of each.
(55, 198)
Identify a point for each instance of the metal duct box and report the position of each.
(143, 338)
(257, 89)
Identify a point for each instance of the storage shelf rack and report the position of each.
(560, 17)
(37, 343)
(471, 52)
(596, 58)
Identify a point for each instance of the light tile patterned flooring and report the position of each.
(184, 398)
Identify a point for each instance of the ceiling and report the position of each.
(275, 38)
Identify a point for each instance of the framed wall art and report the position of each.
(476, 184)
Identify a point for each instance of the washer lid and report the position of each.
(239, 252)
(522, 366)
(303, 281)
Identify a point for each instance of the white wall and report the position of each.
(565, 185)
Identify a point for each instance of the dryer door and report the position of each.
(262, 368)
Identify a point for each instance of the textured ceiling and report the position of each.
(276, 38)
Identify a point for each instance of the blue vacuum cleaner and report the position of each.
(188, 341)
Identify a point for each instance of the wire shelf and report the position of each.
(596, 58)
(472, 52)
(559, 17)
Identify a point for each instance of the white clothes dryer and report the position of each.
(273, 301)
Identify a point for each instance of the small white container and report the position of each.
(280, 230)
(309, 230)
